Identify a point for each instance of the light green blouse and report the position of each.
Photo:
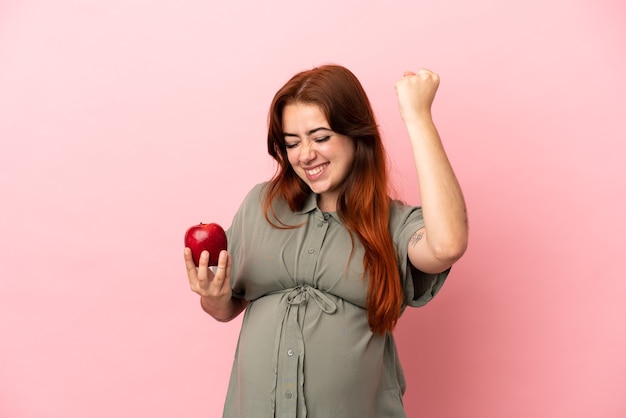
(305, 348)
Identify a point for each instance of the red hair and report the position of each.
(363, 204)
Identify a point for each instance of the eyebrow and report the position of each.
(311, 132)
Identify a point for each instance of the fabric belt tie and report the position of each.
(288, 337)
(301, 294)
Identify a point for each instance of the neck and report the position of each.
(327, 203)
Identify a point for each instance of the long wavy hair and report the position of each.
(364, 203)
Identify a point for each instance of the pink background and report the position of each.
(123, 122)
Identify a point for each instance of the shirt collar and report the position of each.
(309, 205)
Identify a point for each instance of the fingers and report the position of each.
(202, 279)
(423, 83)
(199, 277)
(223, 269)
(432, 77)
(229, 264)
(425, 71)
(416, 92)
(189, 264)
(422, 73)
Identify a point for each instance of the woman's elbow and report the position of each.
(451, 250)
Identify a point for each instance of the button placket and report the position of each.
(291, 354)
(288, 367)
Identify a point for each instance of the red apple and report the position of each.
(209, 237)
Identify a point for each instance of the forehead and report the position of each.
(300, 117)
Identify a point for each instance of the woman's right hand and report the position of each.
(214, 288)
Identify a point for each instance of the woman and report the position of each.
(323, 261)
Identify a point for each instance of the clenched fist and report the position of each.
(416, 93)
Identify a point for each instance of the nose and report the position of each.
(307, 153)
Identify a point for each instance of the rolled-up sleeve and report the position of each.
(419, 288)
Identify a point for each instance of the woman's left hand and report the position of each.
(416, 93)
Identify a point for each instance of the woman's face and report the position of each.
(319, 156)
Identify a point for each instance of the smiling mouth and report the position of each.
(316, 170)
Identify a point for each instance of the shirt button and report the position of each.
(288, 395)
(321, 224)
(311, 250)
(326, 216)
(290, 352)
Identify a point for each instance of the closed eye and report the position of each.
(316, 140)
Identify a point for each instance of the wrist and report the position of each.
(225, 311)
(219, 311)
(421, 119)
(420, 128)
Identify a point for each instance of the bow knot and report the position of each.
(301, 294)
